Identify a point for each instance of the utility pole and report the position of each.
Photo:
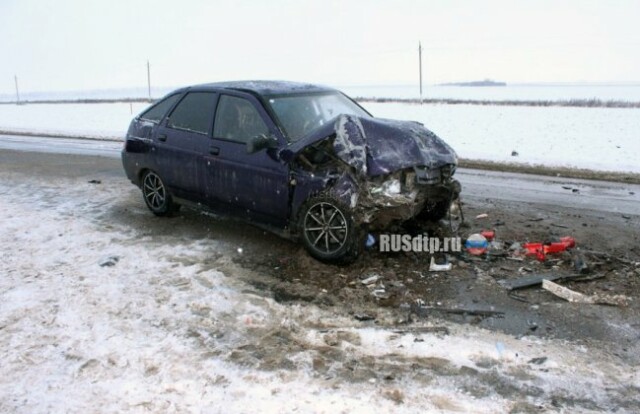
(420, 67)
(149, 80)
(15, 77)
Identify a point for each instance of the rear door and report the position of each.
(181, 140)
(252, 185)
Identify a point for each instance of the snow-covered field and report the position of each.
(99, 314)
(629, 92)
(105, 120)
(515, 92)
(591, 138)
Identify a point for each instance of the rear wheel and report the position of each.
(328, 231)
(156, 195)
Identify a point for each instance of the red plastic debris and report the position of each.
(540, 250)
(488, 234)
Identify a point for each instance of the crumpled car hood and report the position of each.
(376, 146)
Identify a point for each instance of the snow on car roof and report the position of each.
(269, 87)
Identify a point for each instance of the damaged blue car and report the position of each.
(305, 161)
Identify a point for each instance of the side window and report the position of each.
(157, 111)
(194, 113)
(237, 120)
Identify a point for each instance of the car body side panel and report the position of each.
(254, 186)
(250, 185)
(179, 161)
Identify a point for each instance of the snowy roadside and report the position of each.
(601, 139)
(166, 325)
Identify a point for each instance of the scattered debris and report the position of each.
(371, 241)
(424, 311)
(363, 317)
(381, 293)
(370, 280)
(517, 297)
(423, 330)
(537, 361)
(433, 267)
(580, 264)
(577, 297)
(540, 250)
(109, 261)
(515, 246)
(488, 234)
(481, 216)
(94, 182)
(534, 280)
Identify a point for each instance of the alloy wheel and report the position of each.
(154, 192)
(325, 228)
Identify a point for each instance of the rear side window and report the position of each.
(157, 111)
(238, 120)
(194, 113)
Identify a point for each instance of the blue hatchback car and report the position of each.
(305, 161)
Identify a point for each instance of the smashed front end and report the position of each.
(385, 171)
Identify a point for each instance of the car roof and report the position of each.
(262, 87)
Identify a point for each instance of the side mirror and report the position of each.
(260, 142)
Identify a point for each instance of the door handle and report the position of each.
(214, 150)
(162, 137)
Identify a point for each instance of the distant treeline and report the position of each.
(580, 103)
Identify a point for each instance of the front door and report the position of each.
(252, 185)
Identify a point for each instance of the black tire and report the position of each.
(156, 196)
(435, 210)
(328, 231)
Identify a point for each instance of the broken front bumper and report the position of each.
(403, 195)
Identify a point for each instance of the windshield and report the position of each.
(301, 114)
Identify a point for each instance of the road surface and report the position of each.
(571, 193)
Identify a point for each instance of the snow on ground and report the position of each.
(104, 314)
(592, 138)
(511, 92)
(109, 120)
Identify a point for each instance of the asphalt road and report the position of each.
(597, 196)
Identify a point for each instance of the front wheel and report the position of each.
(156, 195)
(435, 210)
(328, 231)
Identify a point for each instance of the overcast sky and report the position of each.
(85, 44)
